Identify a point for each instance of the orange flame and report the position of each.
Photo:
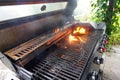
(75, 37)
(72, 38)
(79, 30)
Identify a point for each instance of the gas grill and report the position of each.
(51, 44)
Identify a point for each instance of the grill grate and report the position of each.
(65, 61)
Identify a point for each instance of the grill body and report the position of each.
(36, 47)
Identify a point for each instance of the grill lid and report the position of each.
(34, 18)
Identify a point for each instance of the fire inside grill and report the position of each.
(76, 35)
(79, 30)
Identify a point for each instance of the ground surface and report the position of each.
(111, 66)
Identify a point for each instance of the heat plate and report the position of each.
(65, 61)
(23, 50)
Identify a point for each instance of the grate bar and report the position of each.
(42, 73)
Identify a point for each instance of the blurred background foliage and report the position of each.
(108, 11)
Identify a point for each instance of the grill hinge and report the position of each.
(24, 74)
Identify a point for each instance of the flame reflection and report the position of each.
(72, 38)
(56, 30)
